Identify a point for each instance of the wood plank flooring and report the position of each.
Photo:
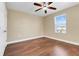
(41, 47)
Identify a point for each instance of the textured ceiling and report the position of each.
(28, 7)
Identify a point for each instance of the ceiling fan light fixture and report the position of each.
(44, 8)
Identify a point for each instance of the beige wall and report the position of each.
(23, 25)
(72, 25)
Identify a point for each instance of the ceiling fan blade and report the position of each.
(52, 8)
(45, 11)
(50, 3)
(37, 4)
(38, 9)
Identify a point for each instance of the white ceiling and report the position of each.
(30, 8)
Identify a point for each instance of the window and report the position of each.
(60, 24)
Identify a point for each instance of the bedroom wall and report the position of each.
(23, 25)
(72, 25)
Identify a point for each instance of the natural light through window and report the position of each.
(60, 24)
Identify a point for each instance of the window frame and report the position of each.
(55, 23)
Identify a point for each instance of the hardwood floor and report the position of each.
(41, 47)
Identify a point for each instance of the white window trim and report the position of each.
(55, 22)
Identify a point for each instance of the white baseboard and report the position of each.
(70, 42)
(24, 39)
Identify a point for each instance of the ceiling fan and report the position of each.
(44, 6)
